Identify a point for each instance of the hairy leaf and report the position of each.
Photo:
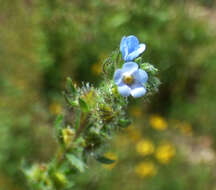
(76, 162)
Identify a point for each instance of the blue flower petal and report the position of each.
(132, 43)
(118, 76)
(138, 92)
(140, 76)
(129, 67)
(136, 84)
(130, 48)
(124, 90)
(134, 54)
(124, 47)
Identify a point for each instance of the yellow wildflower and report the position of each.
(165, 153)
(157, 122)
(146, 169)
(111, 156)
(145, 147)
(55, 108)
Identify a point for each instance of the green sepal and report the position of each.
(73, 103)
(70, 87)
(80, 141)
(83, 105)
(138, 60)
(111, 64)
(149, 68)
(153, 84)
(70, 101)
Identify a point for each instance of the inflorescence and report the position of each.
(93, 115)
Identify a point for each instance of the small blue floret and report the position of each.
(131, 48)
(130, 80)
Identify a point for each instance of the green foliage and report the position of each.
(83, 105)
(104, 160)
(100, 113)
(43, 42)
(76, 162)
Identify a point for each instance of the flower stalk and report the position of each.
(92, 116)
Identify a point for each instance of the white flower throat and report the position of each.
(128, 79)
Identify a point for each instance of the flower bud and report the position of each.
(60, 179)
(68, 134)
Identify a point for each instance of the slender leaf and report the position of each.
(76, 162)
(58, 122)
(78, 115)
(104, 160)
(70, 87)
(83, 105)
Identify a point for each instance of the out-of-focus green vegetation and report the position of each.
(43, 42)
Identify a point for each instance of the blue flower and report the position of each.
(130, 80)
(130, 48)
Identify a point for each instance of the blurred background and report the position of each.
(172, 142)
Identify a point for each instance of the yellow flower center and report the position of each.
(128, 79)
